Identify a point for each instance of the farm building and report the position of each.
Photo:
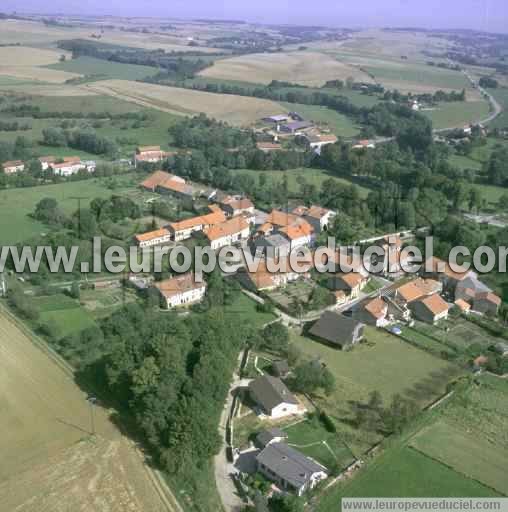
(337, 330)
(150, 154)
(318, 141)
(71, 165)
(267, 147)
(296, 127)
(181, 290)
(13, 166)
(289, 469)
(273, 397)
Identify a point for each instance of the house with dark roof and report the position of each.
(273, 397)
(487, 303)
(350, 283)
(289, 469)
(337, 330)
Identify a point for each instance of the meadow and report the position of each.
(457, 114)
(15, 205)
(501, 95)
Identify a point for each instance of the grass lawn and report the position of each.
(339, 124)
(403, 472)
(105, 69)
(422, 340)
(315, 176)
(243, 309)
(470, 455)
(464, 162)
(16, 204)
(491, 193)
(457, 114)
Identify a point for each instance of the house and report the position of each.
(226, 233)
(337, 330)
(236, 205)
(440, 270)
(463, 306)
(430, 309)
(181, 290)
(71, 165)
(417, 289)
(289, 469)
(280, 368)
(364, 144)
(372, 312)
(275, 245)
(351, 283)
(272, 435)
(152, 238)
(260, 279)
(273, 397)
(158, 179)
(298, 234)
(317, 141)
(295, 127)
(319, 218)
(487, 303)
(502, 348)
(13, 166)
(469, 287)
(150, 154)
(184, 229)
(179, 189)
(46, 162)
(268, 147)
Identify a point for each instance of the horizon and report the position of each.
(476, 15)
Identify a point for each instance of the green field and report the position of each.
(325, 117)
(501, 95)
(16, 204)
(104, 69)
(315, 176)
(243, 309)
(457, 114)
(403, 472)
(464, 162)
(470, 455)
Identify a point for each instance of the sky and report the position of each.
(489, 15)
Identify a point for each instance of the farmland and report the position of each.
(450, 115)
(16, 205)
(46, 445)
(501, 96)
(236, 110)
(306, 68)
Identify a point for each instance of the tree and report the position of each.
(276, 337)
(286, 503)
(48, 211)
(310, 376)
(75, 291)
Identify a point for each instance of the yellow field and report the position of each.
(237, 110)
(304, 67)
(61, 90)
(23, 62)
(47, 451)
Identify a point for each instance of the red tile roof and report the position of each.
(152, 235)
(230, 227)
(435, 304)
(178, 284)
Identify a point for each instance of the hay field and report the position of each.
(47, 451)
(237, 110)
(305, 67)
(23, 62)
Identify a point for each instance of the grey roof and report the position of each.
(289, 464)
(265, 436)
(270, 392)
(274, 240)
(297, 125)
(472, 282)
(502, 347)
(281, 366)
(335, 328)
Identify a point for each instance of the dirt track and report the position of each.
(50, 462)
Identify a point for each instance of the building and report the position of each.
(463, 306)
(295, 127)
(276, 245)
(181, 290)
(13, 166)
(152, 238)
(364, 144)
(71, 165)
(372, 312)
(417, 289)
(236, 205)
(185, 228)
(158, 179)
(351, 283)
(487, 303)
(46, 162)
(298, 234)
(337, 330)
(318, 141)
(150, 154)
(226, 233)
(289, 469)
(502, 348)
(273, 397)
(272, 435)
(319, 218)
(280, 368)
(277, 119)
(430, 309)
(440, 270)
(268, 147)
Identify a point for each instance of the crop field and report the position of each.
(25, 63)
(306, 68)
(315, 176)
(468, 454)
(17, 204)
(404, 472)
(103, 69)
(457, 114)
(46, 447)
(324, 117)
(236, 110)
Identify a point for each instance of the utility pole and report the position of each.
(91, 402)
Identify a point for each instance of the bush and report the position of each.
(327, 422)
